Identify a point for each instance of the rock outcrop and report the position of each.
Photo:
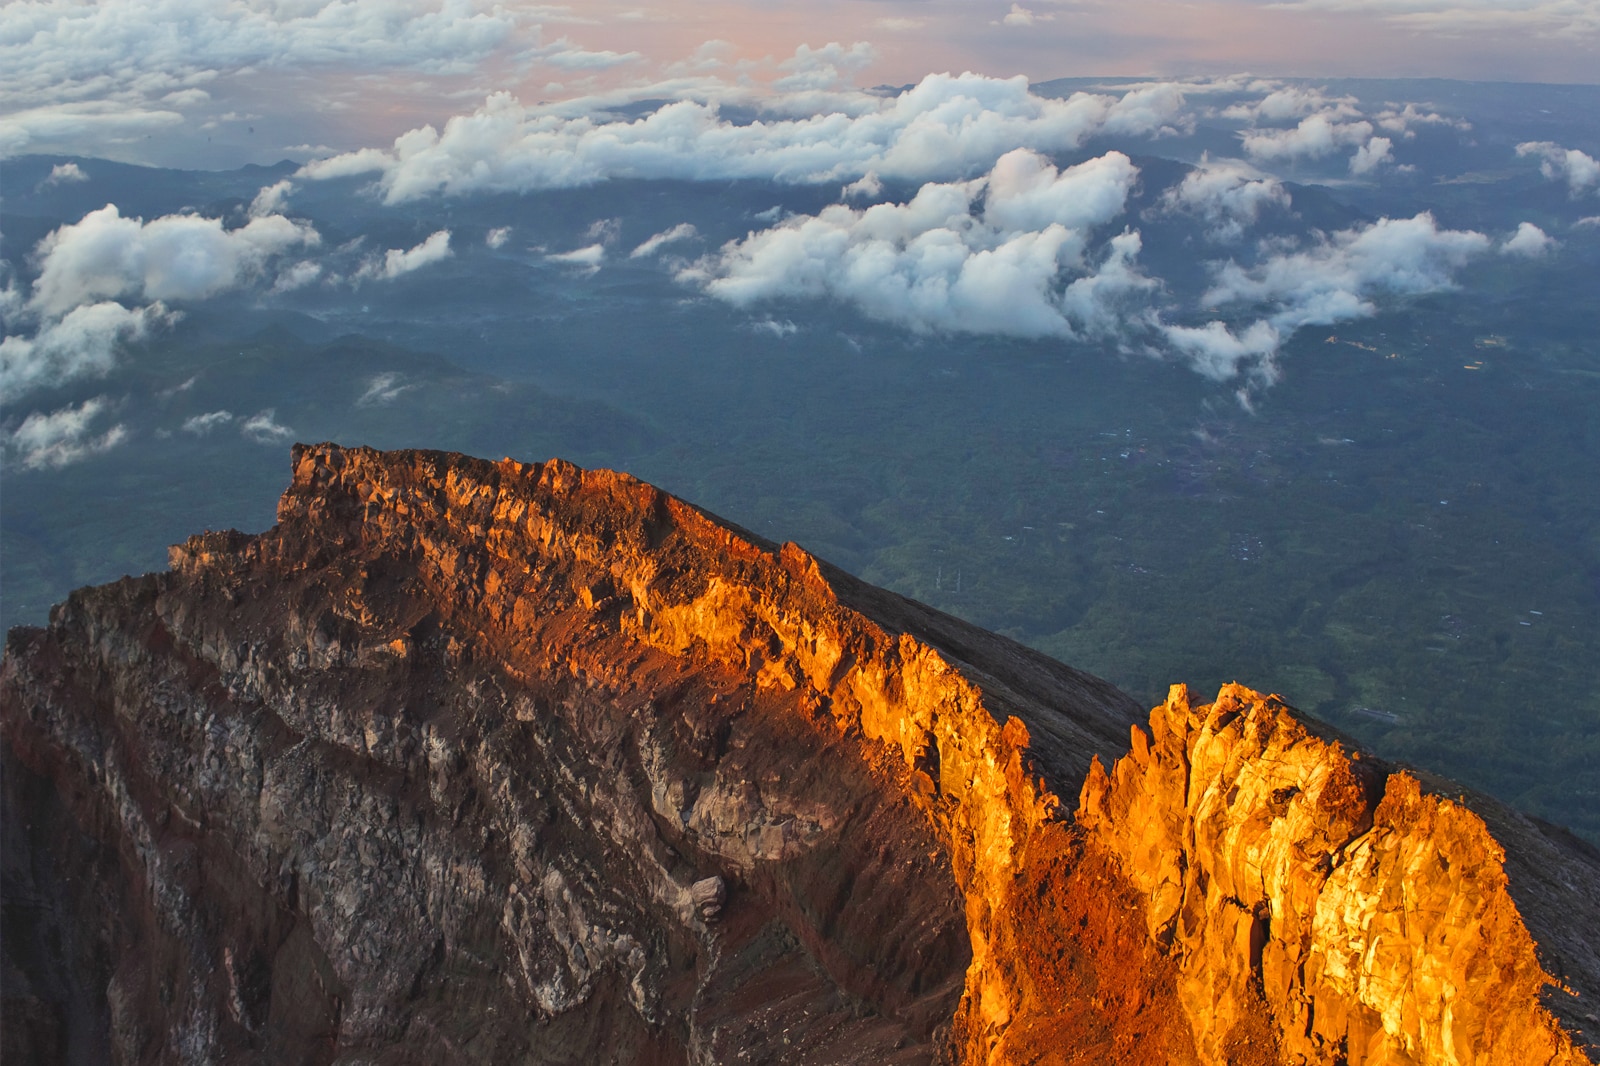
(492, 762)
(1291, 879)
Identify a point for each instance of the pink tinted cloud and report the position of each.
(1321, 38)
(166, 78)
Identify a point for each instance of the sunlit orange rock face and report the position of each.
(495, 762)
(1290, 879)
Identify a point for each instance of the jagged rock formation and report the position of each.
(473, 762)
(1370, 922)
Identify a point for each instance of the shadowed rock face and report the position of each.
(491, 762)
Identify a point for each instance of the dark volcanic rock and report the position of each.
(486, 762)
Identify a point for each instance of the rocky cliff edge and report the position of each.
(491, 762)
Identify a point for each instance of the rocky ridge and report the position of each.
(474, 762)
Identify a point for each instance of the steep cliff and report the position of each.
(473, 762)
(1370, 922)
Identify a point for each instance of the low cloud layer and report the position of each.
(1579, 170)
(1014, 254)
(398, 261)
(1338, 276)
(587, 259)
(681, 232)
(46, 441)
(814, 128)
(82, 343)
(176, 257)
(1529, 242)
(82, 77)
(113, 72)
(1335, 279)
(1006, 253)
(90, 270)
(263, 427)
(383, 389)
(1228, 195)
(81, 124)
(64, 174)
(1325, 125)
(945, 127)
(1315, 136)
(997, 239)
(202, 425)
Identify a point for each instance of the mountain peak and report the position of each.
(481, 762)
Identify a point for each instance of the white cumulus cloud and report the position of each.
(64, 174)
(264, 428)
(85, 75)
(1338, 276)
(383, 389)
(397, 261)
(778, 329)
(86, 268)
(1325, 124)
(1228, 195)
(868, 187)
(81, 343)
(297, 276)
(1529, 241)
(1401, 119)
(271, 199)
(1003, 254)
(202, 425)
(681, 232)
(65, 436)
(1372, 155)
(588, 258)
(832, 66)
(1217, 353)
(1022, 16)
(1314, 137)
(1578, 169)
(1293, 102)
(1336, 279)
(175, 257)
(947, 126)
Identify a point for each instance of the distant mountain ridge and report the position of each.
(493, 762)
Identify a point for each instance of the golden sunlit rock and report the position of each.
(1288, 877)
(473, 762)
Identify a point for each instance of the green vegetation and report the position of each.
(1402, 537)
(1404, 547)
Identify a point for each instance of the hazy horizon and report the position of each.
(189, 83)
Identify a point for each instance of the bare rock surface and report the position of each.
(1370, 921)
(470, 762)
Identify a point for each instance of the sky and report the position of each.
(211, 83)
